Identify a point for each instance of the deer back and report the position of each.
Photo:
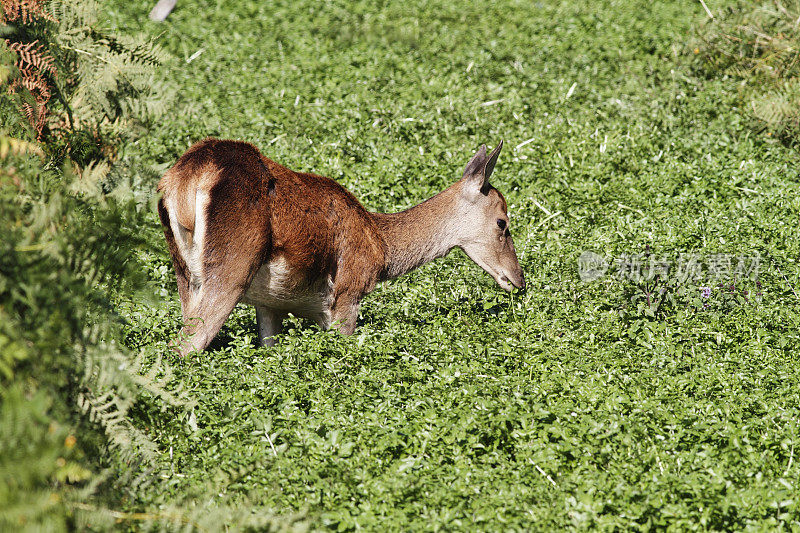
(224, 189)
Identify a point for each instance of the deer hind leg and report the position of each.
(207, 312)
(344, 314)
(210, 306)
(221, 265)
(269, 324)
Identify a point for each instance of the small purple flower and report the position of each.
(706, 292)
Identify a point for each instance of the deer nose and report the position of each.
(522, 285)
(519, 282)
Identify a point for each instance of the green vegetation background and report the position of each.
(601, 405)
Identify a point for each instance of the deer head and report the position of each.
(484, 232)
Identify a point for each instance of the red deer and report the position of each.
(242, 228)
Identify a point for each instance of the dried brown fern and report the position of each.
(34, 63)
(25, 10)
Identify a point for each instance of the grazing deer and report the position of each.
(242, 228)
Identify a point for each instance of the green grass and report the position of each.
(456, 406)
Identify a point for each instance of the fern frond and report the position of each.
(25, 10)
(113, 83)
(33, 56)
(34, 65)
(12, 146)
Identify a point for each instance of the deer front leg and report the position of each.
(269, 324)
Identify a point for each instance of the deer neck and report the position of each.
(421, 234)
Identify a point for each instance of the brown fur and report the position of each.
(177, 261)
(259, 212)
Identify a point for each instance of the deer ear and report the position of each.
(480, 167)
(487, 171)
(476, 164)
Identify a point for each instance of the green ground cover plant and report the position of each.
(635, 398)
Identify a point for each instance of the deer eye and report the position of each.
(501, 223)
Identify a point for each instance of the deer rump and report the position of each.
(242, 228)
